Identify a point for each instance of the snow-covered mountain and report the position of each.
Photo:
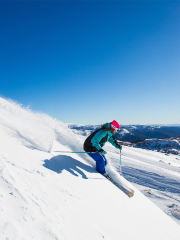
(46, 192)
(168, 146)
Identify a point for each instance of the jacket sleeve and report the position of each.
(114, 142)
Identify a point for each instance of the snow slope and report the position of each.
(155, 174)
(45, 194)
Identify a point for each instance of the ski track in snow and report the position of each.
(152, 174)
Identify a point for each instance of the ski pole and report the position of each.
(73, 152)
(120, 164)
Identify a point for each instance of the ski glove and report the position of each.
(120, 147)
(102, 151)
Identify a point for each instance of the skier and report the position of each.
(94, 143)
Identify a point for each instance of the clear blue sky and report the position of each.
(91, 62)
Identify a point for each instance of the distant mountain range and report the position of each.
(134, 133)
(138, 133)
(167, 146)
(166, 125)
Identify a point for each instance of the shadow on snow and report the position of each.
(63, 162)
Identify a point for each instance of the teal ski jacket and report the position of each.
(97, 139)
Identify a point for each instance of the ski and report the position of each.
(129, 192)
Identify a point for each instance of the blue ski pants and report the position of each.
(100, 161)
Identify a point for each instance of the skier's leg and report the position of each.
(100, 161)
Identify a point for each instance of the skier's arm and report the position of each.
(114, 142)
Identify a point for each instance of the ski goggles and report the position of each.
(115, 128)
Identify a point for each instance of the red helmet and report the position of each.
(115, 125)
